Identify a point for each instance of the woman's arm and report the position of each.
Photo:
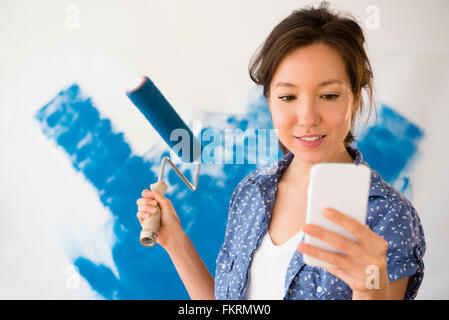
(197, 280)
(394, 291)
(397, 288)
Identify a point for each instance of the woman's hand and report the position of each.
(363, 266)
(170, 223)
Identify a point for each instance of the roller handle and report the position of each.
(151, 225)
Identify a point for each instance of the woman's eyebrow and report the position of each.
(321, 84)
(327, 82)
(284, 84)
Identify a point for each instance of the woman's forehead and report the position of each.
(314, 64)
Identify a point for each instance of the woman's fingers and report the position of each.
(145, 213)
(142, 215)
(337, 241)
(154, 198)
(146, 201)
(336, 259)
(371, 242)
(361, 231)
(147, 209)
(146, 206)
(147, 194)
(163, 201)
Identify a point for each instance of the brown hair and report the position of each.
(312, 25)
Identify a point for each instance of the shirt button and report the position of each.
(319, 289)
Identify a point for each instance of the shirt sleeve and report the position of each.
(402, 228)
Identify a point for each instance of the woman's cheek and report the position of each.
(282, 125)
(341, 118)
(281, 121)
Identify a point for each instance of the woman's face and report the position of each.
(310, 95)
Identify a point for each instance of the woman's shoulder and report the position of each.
(392, 215)
(387, 201)
(384, 199)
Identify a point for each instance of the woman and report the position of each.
(313, 68)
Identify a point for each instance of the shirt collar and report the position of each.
(271, 174)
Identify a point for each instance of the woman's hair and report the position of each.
(317, 25)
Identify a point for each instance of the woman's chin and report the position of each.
(308, 156)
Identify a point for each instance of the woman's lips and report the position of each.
(311, 144)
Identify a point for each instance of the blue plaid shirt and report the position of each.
(389, 214)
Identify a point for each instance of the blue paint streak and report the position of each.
(119, 176)
(390, 145)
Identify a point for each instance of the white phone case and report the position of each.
(342, 186)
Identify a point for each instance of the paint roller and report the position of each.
(161, 115)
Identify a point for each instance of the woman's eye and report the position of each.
(330, 96)
(287, 98)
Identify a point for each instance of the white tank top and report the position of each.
(268, 268)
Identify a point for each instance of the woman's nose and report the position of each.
(307, 114)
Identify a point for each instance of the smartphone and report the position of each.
(341, 186)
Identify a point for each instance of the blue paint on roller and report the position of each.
(158, 111)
